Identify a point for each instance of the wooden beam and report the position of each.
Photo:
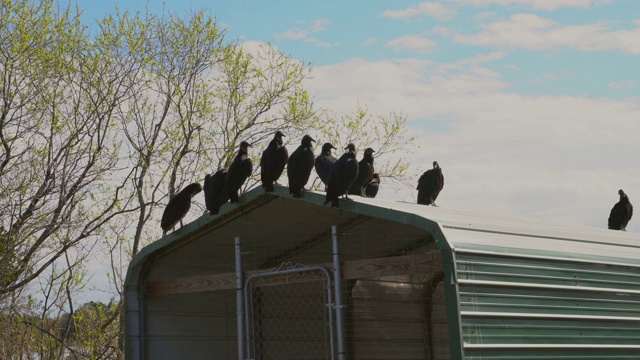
(356, 269)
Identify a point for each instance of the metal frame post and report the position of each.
(337, 281)
(239, 298)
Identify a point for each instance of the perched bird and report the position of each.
(214, 196)
(430, 184)
(371, 189)
(324, 162)
(299, 166)
(343, 174)
(178, 207)
(365, 173)
(238, 172)
(621, 213)
(272, 163)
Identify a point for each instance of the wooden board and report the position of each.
(418, 264)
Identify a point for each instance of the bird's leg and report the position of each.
(362, 192)
(181, 224)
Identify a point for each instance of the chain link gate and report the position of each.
(289, 315)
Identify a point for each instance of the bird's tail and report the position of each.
(335, 203)
(268, 186)
(296, 193)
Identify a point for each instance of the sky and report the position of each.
(531, 107)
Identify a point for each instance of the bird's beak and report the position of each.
(313, 140)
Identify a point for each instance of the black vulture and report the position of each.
(299, 166)
(324, 162)
(621, 213)
(272, 163)
(178, 207)
(343, 174)
(371, 189)
(238, 172)
(430, 184)
(214, 196)
(365, 173)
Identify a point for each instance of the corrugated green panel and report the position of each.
(552, 354)
(502, 299)
(536, 271)
(514, 307)
(479, 330)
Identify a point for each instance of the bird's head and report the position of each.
(279, 135)
(436, 165)
(623, 195)
(327, 147)
(244, 146)
(369, 152)
(351, 148)
(307, 140)
(193, 189)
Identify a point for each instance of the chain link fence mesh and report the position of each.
(289, 316)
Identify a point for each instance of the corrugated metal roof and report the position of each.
(468, 230)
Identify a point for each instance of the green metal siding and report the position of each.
(515, 307)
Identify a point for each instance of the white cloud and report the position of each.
(534, 32)
(292, 35)
(442, 31)
(435, 10)
(371, 41)
(485, 15)
(474, 60)
(622, 85)
(412, 42)
(546, 157)
(317, 42)
(305, 33)
(547, 5)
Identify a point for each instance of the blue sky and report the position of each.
(530, 106)
(334, 31)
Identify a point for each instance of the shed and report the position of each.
(414, 282)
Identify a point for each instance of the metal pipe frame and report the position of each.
(339, 307)
(239, 298)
